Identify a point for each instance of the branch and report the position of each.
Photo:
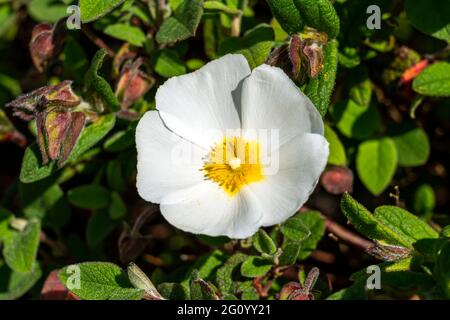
(343, 234)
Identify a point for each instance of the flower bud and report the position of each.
(337, 180)
(44, 44)
(133, 83)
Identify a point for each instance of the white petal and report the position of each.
(200, 106)
(301, 161)
(207, 209)
(270, 100)
(165, 162)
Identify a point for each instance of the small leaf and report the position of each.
(224, 274)
(264, 243)
(89, 197)
(413, 147)
(320, 88)
(99, 281)
(291, 250)
(319, 14)
(367, 224)
(430, 16)
(405, 224)
(337, 151)
(140, 281)
(255, 45)
(361, 91)
(167, 64)
(126, 32)
(47, 10)
(295, 229)
(434, 80)
(92, 134)
(21, 250)
(287, 15)
(424, 201)
(98, 85)
(16, 284)
(200, 289)
(316, 225)
(93, 9)
(173, 291)
(99, 226)
(376, 163)
(255, 266)
(117, 208)
(182, 24)
(355, 121)
(32, 170)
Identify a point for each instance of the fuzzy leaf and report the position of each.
(320, 88)
(367, 224)
(173, 291)
(263, 242)
(287, 15)
(100, 281)
(126, 32)
(337, 152)
(434, 80)
(376, 163)
(255, 266)
(182, 24)
(93, 9)
(316, 225)
(32, 169)
(14, 284)
(319, 14)
(21, 250)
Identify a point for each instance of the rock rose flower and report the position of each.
(229, 149)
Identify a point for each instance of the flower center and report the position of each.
(234, 163)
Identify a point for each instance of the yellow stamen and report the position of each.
(233, 164)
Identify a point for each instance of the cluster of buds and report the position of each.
(58, 123)
(45, 43)
(133, 82)
(302, 57)
(297, 291)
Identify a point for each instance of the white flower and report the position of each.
(230, 150)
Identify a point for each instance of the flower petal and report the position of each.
(301, 161)
(200, 106)
(207, 209)
(270, 100)
(165, 162)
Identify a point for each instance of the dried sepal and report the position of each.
(297, 291)
(388, 252)
(46, 41)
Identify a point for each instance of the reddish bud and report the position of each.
(44, 44)
(337, 180)
(133, 83)
(412, 72)
(53, 289)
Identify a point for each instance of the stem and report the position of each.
(97, 41)
(343, 234)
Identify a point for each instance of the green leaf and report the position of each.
(376, 163)
(355, 121)
(92, 134)
(182, 24)
(349, 57)
(295, 229)
(75, 60)
(21, 250)
(361, 91)
(442, 269)
(208, 265)
(117, 208)
(217, 6)
(173, 291)
(126, 32)
(255, 45)
(424, 201)
(434, 80)
(319, 14)
(98, 85)
(99, 227)
(320, 88)
(140, 280)
(47, 10)
(413, 147)
(14, 284)
(316, 225)
(114, 175)
(407, 225)
(337, 151)
(89, 197)
(120, 141)
(445, 232)
(99, 281)
(93, 9)
(367, 224)
(6, 232)
(255, 266)
(287, 15)
(291, 250)
(356, 291)
(263, 242)
(32, 169)
(224, 275)
(200, 289)
(430, 16)
(167, 64)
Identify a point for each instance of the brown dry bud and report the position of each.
(44, 44)
(337, 180)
